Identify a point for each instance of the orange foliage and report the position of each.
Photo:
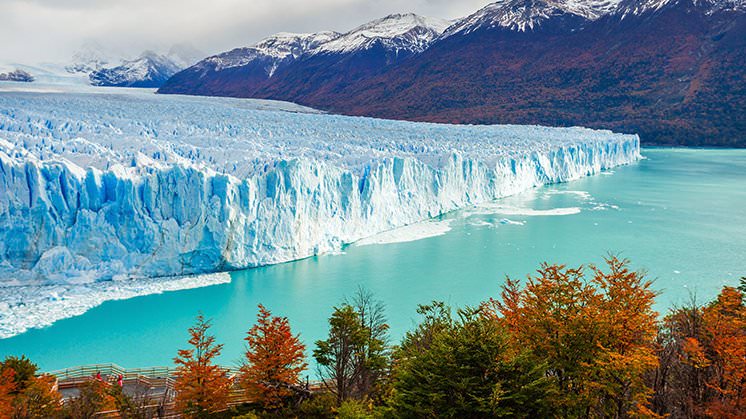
(595, 336)
(39, 399)
(694, 353)
(274, 358)
(201, 386)
(725, 325)
(7, 387)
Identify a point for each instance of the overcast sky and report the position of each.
(33, 31)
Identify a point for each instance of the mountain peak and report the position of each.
(276, 48)
(90, 57)
(285, 44)
(185, 54)
(639, 7)
(407, 31)
(529, 15)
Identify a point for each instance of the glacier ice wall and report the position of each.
(96, 187)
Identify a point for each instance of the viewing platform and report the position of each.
(152, 388)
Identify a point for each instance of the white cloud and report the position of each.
(51, 30)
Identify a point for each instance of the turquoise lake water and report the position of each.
(679, 214)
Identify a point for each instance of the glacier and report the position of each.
(125, 186)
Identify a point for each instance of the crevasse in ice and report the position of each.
(111, 186)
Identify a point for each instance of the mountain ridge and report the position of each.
(671, 70)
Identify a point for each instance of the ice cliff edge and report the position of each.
(96, 187)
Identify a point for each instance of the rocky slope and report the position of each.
(671, 70)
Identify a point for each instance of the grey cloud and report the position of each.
(51, 30)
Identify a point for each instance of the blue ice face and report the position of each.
(102, 186)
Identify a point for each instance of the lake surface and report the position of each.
(680, 214)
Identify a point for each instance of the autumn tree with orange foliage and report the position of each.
(725, 326)
(7, 388)
(40, 399)
(93, 397)
(702, 370)
(274, 361)
(596, 336)
(201, 386)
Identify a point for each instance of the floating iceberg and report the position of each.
(133, 185)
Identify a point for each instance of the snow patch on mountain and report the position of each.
(91, 56)
(274, 50)
(640, 7)
(148, 70)
(103, 67)
(528, 15)
(398, 32)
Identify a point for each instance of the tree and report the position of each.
(40, 399)
(201, 386)
(338, 356)
(465, 368)
(627, 344)
(92, 398)
(135, 406)
(678, 382)
(7, 390)
(274, 361)
(354, 358)
(23, 370)
(375, 355)
(725, 351)
(595, 336)
(702, 371)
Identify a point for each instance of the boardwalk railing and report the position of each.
(152, 377)
(159, 380)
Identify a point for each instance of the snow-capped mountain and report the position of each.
(90, 57)
(317, 58)
(640, 7)
(148, 70)
(655, 67)
(270, 53)
(398, 32)
(17, 75)
(529, 15)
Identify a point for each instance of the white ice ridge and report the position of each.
(132, 185)
(26, 307)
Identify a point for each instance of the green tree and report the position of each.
(464, 368)
(375, 355)
(338, 356)
(353, 409)
(133, 406)
(355, 354)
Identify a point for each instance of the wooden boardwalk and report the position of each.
(153, 387)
